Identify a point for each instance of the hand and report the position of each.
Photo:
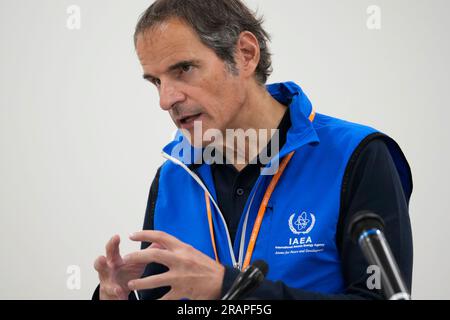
(114, 273)
(191, 274)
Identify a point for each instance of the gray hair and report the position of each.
(218, 23)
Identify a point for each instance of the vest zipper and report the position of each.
(244, 228)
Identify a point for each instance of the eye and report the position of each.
(156, 82)
(186, 67)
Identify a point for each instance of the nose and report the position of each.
(169, 95)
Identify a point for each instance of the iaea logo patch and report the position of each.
(301, 223)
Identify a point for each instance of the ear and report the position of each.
(247, 53)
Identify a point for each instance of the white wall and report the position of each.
(81, 132)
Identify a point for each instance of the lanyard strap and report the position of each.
(211, 226)
(259, 218)
(261, 211)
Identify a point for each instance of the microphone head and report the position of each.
(364, 220)
(261, 266)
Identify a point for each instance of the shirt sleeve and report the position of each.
(373, 184)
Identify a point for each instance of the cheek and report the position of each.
(225, 112)
(221, 97)
(235, 98)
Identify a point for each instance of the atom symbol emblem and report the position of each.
(303, 224)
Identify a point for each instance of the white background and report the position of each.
(81, 132)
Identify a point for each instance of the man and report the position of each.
(207, 220)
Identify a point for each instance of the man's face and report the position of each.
(193, 83)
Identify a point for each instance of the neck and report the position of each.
(261, 113)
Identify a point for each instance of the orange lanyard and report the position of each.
(259, 218)
(261, 211)
(211, 226)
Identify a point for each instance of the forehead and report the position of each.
(167, 43)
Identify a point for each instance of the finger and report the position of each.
(155, 245)
(150, 255)
(112, 250)
(152, 282)
(162, 238)
(100, 264)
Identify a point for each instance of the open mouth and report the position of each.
(190, 119)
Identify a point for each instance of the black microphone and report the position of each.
(247, 281)
(366, 229)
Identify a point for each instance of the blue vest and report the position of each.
(297, 237)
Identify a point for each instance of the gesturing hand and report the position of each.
(114, 273)
(191, 274)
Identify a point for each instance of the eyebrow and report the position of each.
(175, 66)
